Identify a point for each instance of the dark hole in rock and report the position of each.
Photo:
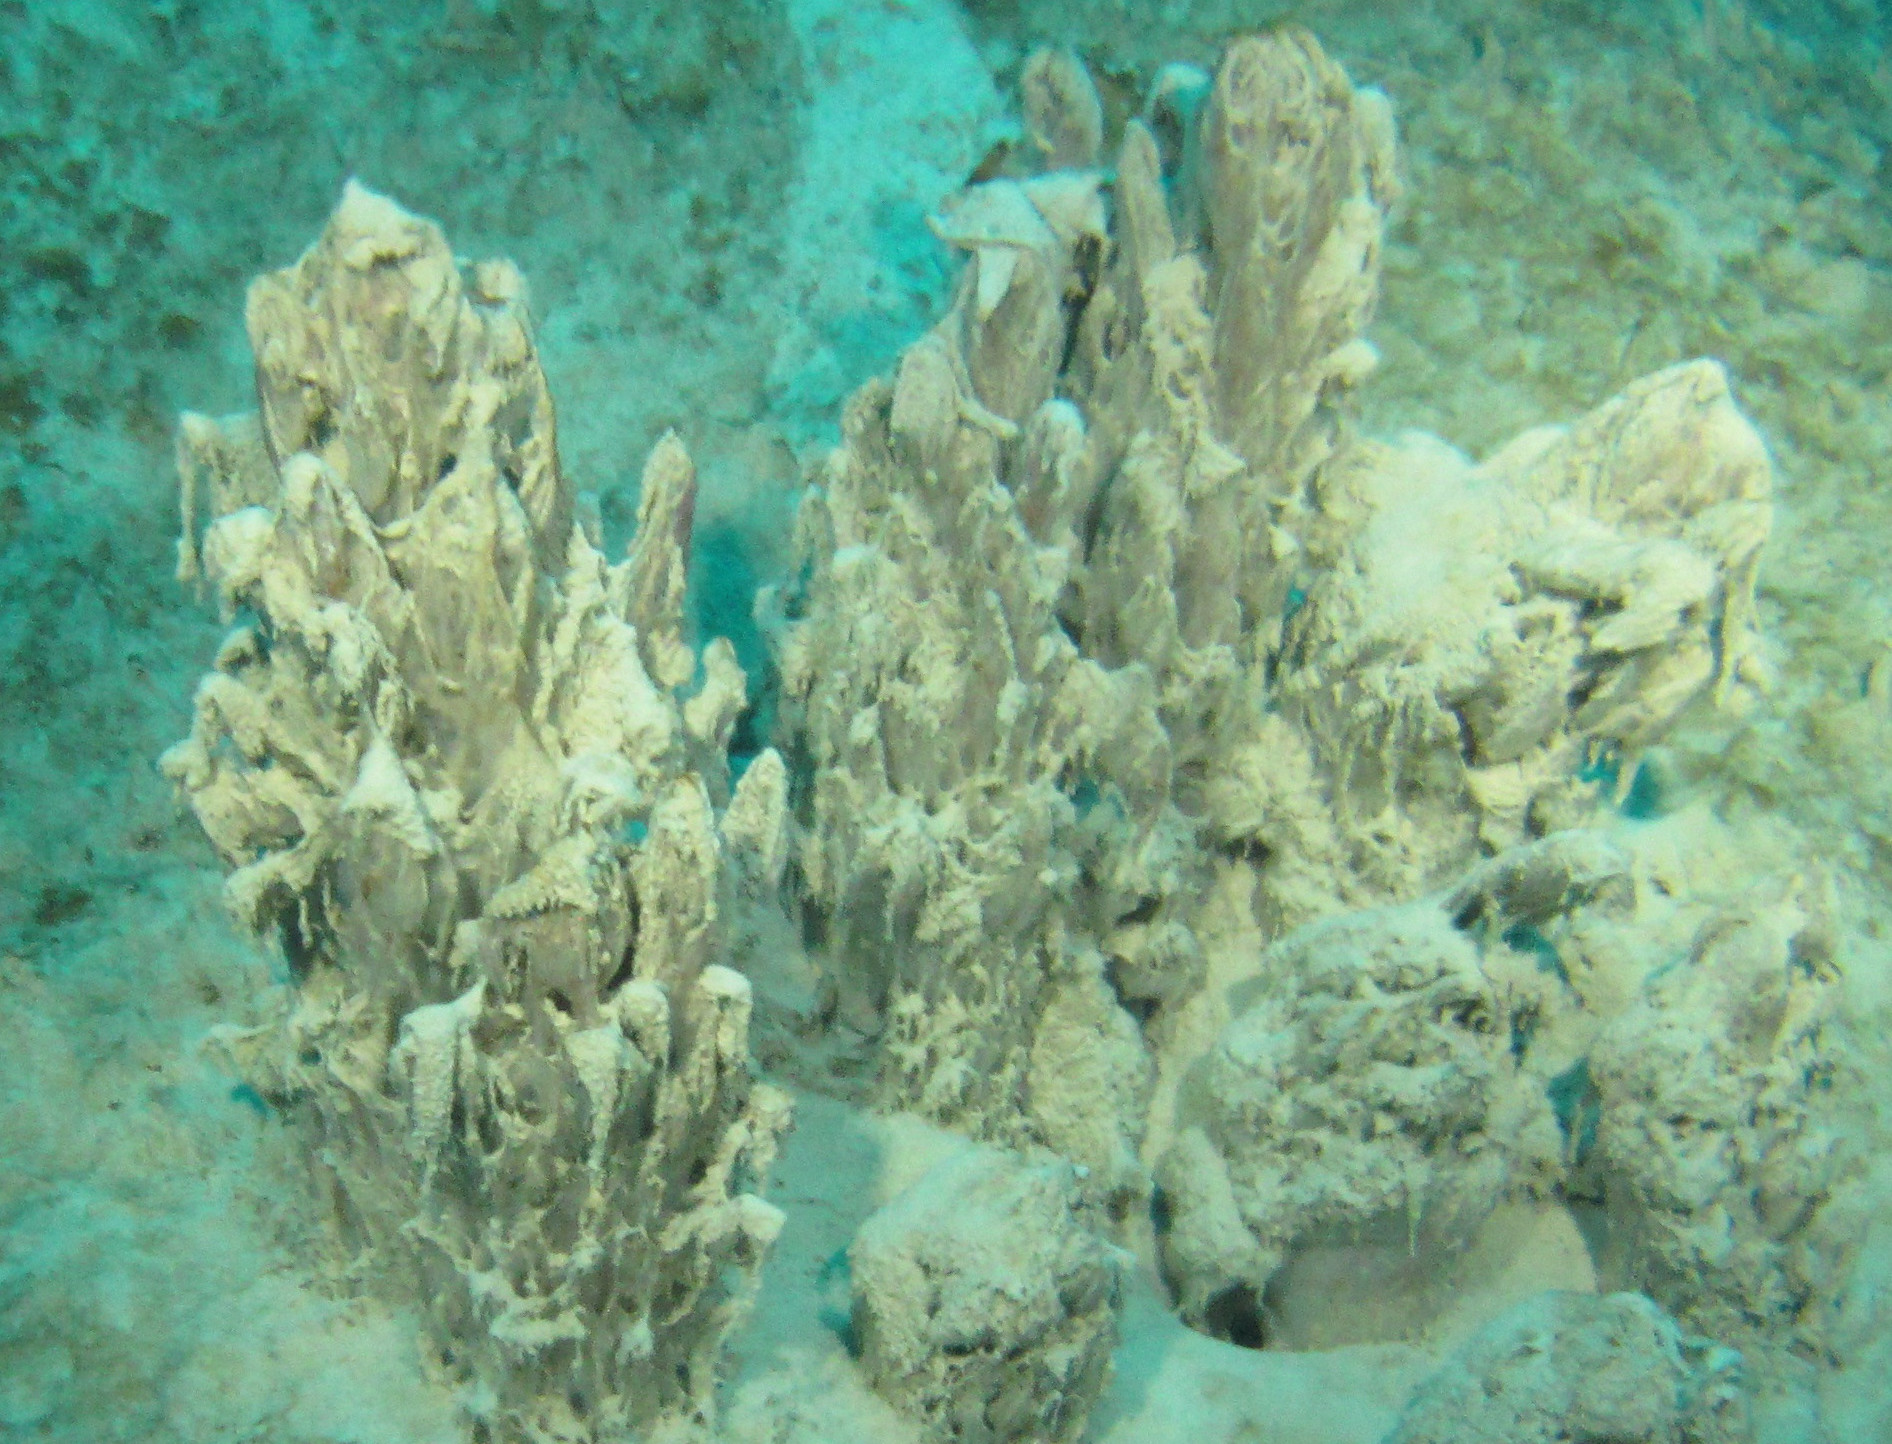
(1234, 1315)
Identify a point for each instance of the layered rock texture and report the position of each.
(472, 778)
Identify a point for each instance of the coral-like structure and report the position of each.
(983, 1304)
(1195, 787)
(1146, 657)
(449, 753)
(1579, 1366)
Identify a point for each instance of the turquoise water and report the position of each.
(721, 215)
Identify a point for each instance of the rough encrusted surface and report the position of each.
(447, 753)
(1375, 1081)
(1578, 1366)
(1118, 658)
(1715, 1144)
(1107, 530)
(983, 1304)
(1030, 544)
(1591, 203)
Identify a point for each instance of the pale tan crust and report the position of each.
(446, 754)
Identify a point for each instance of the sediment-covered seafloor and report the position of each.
(1043, 727)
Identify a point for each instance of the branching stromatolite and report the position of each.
(1118, 655)
(448, 753)
(1117, 658)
